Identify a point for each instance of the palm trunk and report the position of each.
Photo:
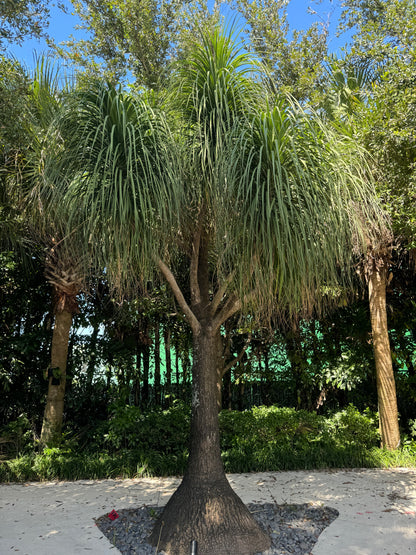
(204, 507)
(386, 387)
(53, 416)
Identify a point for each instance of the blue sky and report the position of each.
(62, 26)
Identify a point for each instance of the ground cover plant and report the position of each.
(136, 443)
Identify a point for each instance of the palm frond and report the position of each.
(284, 202)
(117, 169)
(299, 203)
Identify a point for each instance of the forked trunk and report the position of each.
(53, 416)
(386, 387)
(204, 507)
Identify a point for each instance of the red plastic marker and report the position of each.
(113, 515)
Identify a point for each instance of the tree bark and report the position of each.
(386, 387)
(53, 416)
(204, 507)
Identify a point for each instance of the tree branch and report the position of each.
(216, 301)
(195, 291)
(170, 278)
(238, 358)
(232, 305)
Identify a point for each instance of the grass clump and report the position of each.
(133, 443)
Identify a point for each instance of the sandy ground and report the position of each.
(377, 509)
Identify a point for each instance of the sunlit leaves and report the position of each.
(21, 19)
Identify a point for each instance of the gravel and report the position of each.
(293, 529)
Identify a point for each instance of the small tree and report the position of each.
(45, 227)
(372, 93)
(258, 196)
(294, 58)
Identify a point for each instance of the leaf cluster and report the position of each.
(294, 58)
(22, 19)
(273, 191)
(138, 39)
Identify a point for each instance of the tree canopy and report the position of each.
(134, 39)
(22, 19)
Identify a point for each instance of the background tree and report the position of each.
(14, 100)
(46, 230)
(368, 99)
(294, 57)
(22, 19)
(133, 38)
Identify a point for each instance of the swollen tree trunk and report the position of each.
(53, 416)
(386, 387)
(204, 507)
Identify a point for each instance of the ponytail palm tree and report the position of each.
(46, 228)
(346, 107)
(261, 200)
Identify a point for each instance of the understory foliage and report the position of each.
(134, 443)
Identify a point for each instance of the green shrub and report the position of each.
(58, 465)
(154, 443)
(156, 430)
(273, 438)
(261, 426)
(412, 428)
(16, 438)
(350, 427)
